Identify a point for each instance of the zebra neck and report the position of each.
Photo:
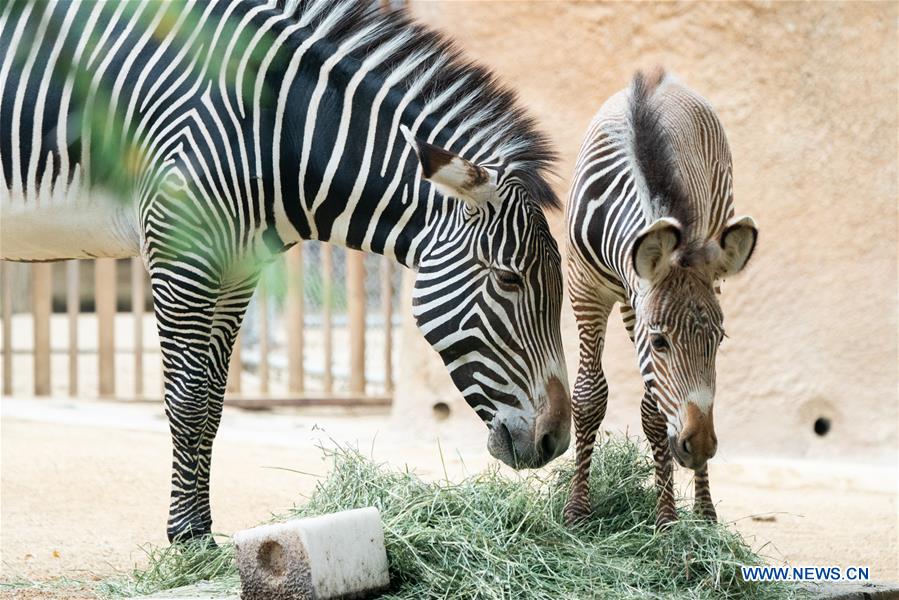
(347, 174)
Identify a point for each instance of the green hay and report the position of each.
(495, 537)
(176, 566)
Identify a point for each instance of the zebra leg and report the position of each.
(589, 407)
(185, 309)
(655, 431)
(702, 504)
(588, 399)
(229, 314)
(654, 428)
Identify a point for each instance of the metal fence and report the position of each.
(320, 330)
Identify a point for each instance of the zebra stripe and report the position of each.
(209, 136)
(651, 227)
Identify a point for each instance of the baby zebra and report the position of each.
(651, 225)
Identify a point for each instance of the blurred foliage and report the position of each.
(102, 117)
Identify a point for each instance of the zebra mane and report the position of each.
(654, 154)
(492, 111)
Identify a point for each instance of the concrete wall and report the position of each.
(807, 94)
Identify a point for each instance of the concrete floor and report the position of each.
(85, 484)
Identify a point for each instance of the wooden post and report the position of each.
(263, 334)
(295, 320)
(73, 302)
(235, 368)
(105, 301)
(137, 309)
(327, 316)
(41, 300)
(355, 289)
(7, 328)
(387, 308)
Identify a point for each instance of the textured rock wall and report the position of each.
(807, 94)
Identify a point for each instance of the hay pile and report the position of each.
(492, 537)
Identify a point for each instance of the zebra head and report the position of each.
(679, 325)
(487, 297)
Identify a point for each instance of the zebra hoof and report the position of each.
(193, 535)
(665, 521)
(576, 512)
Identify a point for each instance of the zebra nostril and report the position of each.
(685, 446)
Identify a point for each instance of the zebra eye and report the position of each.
(509, 279)
(659, 342)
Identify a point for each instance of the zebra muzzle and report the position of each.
(697, 442)
(531, 441)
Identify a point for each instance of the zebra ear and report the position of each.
(737, 243)
(651, 254)
(452, 175)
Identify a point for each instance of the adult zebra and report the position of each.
(207, 137)
(651, 226)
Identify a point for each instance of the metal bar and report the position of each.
(327, 316)
(256, 402)
(263, 335)
(73, 302)
(105, 300)
(295, 320)
(387, 308)
(41, 299)
(137, 310)
(7, 328)
(355, 286)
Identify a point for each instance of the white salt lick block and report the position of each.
(340, 555)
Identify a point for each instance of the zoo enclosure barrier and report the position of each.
(320, 330)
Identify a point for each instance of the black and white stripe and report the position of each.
(208, 136)
(651, 227)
